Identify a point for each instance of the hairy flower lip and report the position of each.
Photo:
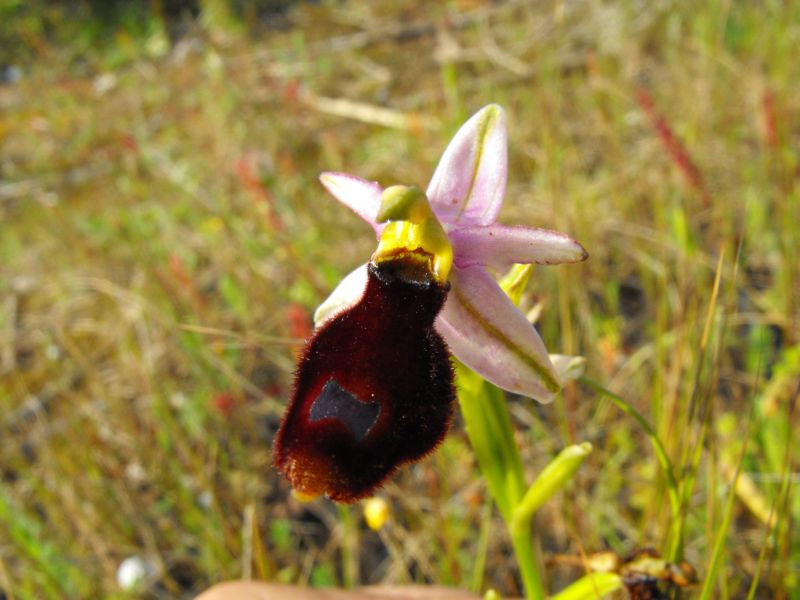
(480, 325)
(374, 388)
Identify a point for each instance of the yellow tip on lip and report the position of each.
(413, 226)
(303, 497)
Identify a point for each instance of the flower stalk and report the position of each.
(488, 425)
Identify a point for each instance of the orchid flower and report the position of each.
(375, 387)
(479, 323)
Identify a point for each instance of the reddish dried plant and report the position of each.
(675, 148)
(247, 172)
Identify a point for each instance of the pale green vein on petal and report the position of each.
(549, 381)
(491, 117)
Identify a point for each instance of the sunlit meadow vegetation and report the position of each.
(164, 241)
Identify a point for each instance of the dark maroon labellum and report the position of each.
(374, 387)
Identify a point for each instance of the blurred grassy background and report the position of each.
(164, 241)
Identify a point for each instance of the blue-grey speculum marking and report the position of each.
(335, 402)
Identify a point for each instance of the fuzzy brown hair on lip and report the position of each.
(374, 387)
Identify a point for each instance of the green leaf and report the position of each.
(590, 587)
(551, 480)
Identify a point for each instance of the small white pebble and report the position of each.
(133, 571)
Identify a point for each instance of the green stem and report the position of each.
(661, 455)
(491, 435)
(349, 547)
(528, 563)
